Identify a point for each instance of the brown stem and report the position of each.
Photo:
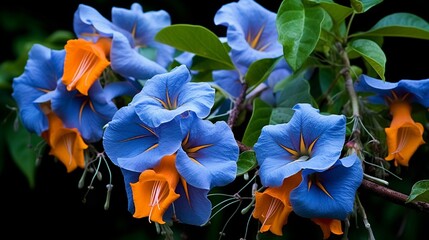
(393, 196)
(237, 106)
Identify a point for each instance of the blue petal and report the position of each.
(246, 18)
(418, 89)
(215, 163)
(144, 27)
(229, 81)
(197, 210)
(127, 62)
(88, 114)
(42, 71)
(327, 131)
(130, 177)
(126, 141)
(89, 24)
(341, 182)
(281, 72)
(175, 90)
(122, 88)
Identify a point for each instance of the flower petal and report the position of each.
(42, 71)
(126, 61)
(143, 27)
(155, 191)
(404, 136)
(251, 31)
(279, 146)
(194, 211)
(84, 63)
(88, 114)
(272, 207)
(228, 80)
(66, 144)
(209, 154)
(332, 194)
(328, 226)
(136, 147)
(168, 95)
(418, 90)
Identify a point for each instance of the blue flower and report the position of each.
(88, 113)
(404, 136)
(143, 28)
(209, 153)
(125, 57)
(168, 176)
(251, 31)
(412, 91)
(134, 146)
(34, 87)
(309, 140)
(330, 193)
(252, 35)
(168, 95)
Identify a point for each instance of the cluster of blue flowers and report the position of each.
(170, 154)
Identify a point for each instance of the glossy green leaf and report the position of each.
(22, 146)
(259, 71)
(281, 115)
(195, 39)
(419, 192)
(296, 91)
(260, 117)
(398, 25)
(361, 6)
(337, 11)
(205, 64)
(372, 53)
(246, 162)
(299, 30)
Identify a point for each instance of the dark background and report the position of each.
(54, 208)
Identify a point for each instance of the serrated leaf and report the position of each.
(260, 117)
(398, 25)
(372, 53)
(419, 192)
(195, 39)
(246, 162)
(259, 71)
(299, 30)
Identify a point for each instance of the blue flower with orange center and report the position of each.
(404, 136)
(310, 140)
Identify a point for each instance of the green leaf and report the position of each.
(22, 148)
(419, 192)
(195, 39)
(260, 117)
(246, 162)
(398, 25)
(337, 12)
(299, 30)
(259, 71)
(205, 64)
(361, 6)
(372, 53)
(281, 115)
(296, 91)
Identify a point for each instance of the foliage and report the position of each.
(232, 111)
